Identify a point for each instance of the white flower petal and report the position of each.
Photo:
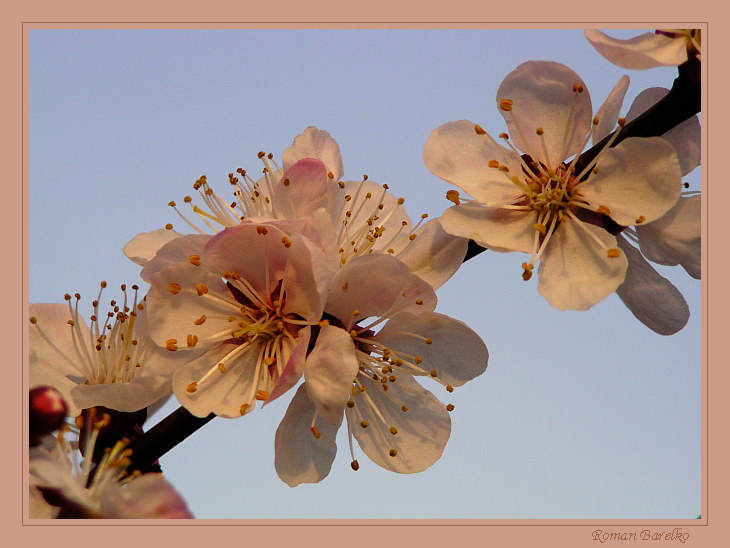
(651, 298)
(330, 371)
(376, 285)
(421, 432)
(303, 188)
(457, 353)
(575, 271)
(221, 393)
(499, 229)
(315, 143)
(143, 247)
(456, 153)
(175, 251)
(676, 238)
(609, 111)
(685, 138)
(434, 255)
(127, 397)
(637, 179)
(641, 52)
(300, 457)
(543, 96)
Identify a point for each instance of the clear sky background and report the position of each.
(579, 414)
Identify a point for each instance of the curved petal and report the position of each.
(499, 229)
(417, 435)
(676, 238)
(686, 138)
(543, 96)
(178, 250)
(300, 457)
(123, 396)
(575, 270)
(651, 298)
(222, 393)
(176, 313)
(638, 180)
(294, 368)
(315, 143)
(641, 52)
(457, 353)
(330, 371)
(609, 111)
(302, 189)
(376, 285)
(56, 349)
(143, 247)
(458, 154)
(434, 255)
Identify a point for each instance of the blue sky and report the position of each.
(579, 415)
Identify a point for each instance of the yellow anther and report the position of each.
(171, 344)
(171, 203)
(67, 297)
(355, 312)
(392, 378)
(429, 341)
(503, 135)
(540, 131)
(506, 104)
(261, 229)
(194, 260)
(33, 320)
(341, 184)
(393, 430)
(200, 320)
(453, 196)
(269, 360)
(401, 201)
(201, 289)
(613, 253)
(418, 360)
(640, 220)
(350, 404)
(192, 340)
(231, 275)
(527, 271)
(286, 241)
(392, 452)
(603, 210)
(577, 88)
(449, 388)
(222, 368)
(355, 465)
(364, 424)
(192, 387)
(168, 226)
(330, 175)
(323, 323)
(450, 407)
(244, 408)
(404, 408)
(286, 182)
(261, 395)
(479, 130)
(622, 122)
(419, 301)
(315, 432)
(493, 164)
(596, 119)
(541, 228)
(187, 199)
(433, 373)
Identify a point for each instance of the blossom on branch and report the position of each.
(528, 196)
(364, 217)
(111, 362)
(382, 332)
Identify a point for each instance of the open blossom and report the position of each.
(528, 196)
(364, 216)
(110, 363)
(243, 301)
(665, 47)
(62, 487)
(382, 332)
